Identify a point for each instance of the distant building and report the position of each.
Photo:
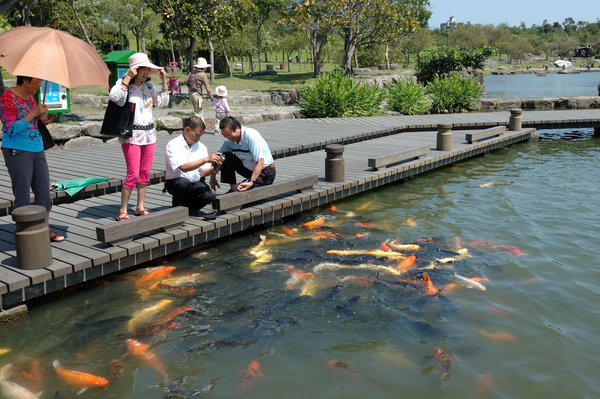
(451, 23)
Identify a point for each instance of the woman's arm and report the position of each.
(118, 93)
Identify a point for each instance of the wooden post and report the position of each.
(334, 163)
(516, 121)
(32, 237)
(444, 137)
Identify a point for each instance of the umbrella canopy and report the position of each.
(74, 186)
(53, 55)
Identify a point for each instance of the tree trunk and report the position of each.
(172, 50)
(5, 5)
(142, 23)
(211, 49)
(258, 47)
(189, 53)
(81, 25)
(226, 59)
(251, 63)
(387, 57)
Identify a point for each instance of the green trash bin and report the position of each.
(118, 64)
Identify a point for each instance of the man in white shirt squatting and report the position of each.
(187, 166)
(247, 153)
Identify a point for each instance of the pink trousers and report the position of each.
(139, 163)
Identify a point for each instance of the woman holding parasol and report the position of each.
(22, 145)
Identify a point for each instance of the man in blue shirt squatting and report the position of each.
(247, 153)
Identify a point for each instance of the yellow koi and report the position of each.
(146, 315)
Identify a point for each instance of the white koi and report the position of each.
(467, 282)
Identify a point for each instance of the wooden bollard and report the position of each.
(516, 121)
(444, 137)
(334, 163)
(32, 237)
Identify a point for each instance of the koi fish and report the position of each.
(406, 263)
(154, 276)
(403, 247)
(499, 311)
(315, 223)
(251, 373)
(145, 315)
(78, 379)
(29, 376)
(365, 225)
(189, 279)
(116, 368)
(510, 249)
(287, 232)
(504, 337)
(469, 283)
(297, 273)
(444, 361)
(375, 252)
(338, 367)
(327, 234)
(136, 348)
(360, 235)
(410, 222)
(337, 266)
(486, 184)
(4, 351)
(171, 315)
(385, 248)
(429, 287)
(332, 208)
(156, 328)
(484, 382)
(358, 280)
(10, 390)
(366, 205)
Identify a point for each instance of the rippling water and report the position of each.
(531, 86)
(326, 325)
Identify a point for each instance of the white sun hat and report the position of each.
(141, 60)
(201, 63)
(221, 91)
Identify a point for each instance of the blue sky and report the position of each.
(513, 12)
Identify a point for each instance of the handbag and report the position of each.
(46, 136)
(118, 121)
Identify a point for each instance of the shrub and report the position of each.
(444, 60)
(335, 94)
(454, 93)
(407, 97)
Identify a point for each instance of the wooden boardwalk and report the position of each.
(297, 146)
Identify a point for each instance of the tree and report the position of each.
(263, 10)
(368, 22)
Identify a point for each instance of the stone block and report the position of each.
(170, 123)
(87, 100)
(93, 130)
(81, 142)
(63, 132)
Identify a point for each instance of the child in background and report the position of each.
(221, 107)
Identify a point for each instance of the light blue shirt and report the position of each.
(250, 149)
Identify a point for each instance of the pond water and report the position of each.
(284, 317)
(552, 85)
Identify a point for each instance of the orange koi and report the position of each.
(484, 382)
(338, 367)
(182, 291)
(365, 225)
(78, 379)
(154, 276)
(249, 375)
(429, 287)
(510, 249)
(287, 232)
(499, 311)
(332, 208)
(384, 247)
(504, 337)
(297, 273)
(327, 234)
(425, 240)
(360, 235)
(444, 361)
(136, 348)
(407, 263)
(174, 313)
(116, 368)
(315, 223)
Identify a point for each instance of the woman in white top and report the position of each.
(139, 148)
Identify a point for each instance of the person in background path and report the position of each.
(221, 107)
(194, 81)
(139, 148)
(187, 166)
(247, 153)
(22, 145)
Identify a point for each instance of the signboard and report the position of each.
(58, 97)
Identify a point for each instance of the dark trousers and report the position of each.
(193, 195)
(233, 164)
(28, 170)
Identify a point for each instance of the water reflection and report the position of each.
(552, 85)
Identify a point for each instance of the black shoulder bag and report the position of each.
(46, 136)
(118, 121)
